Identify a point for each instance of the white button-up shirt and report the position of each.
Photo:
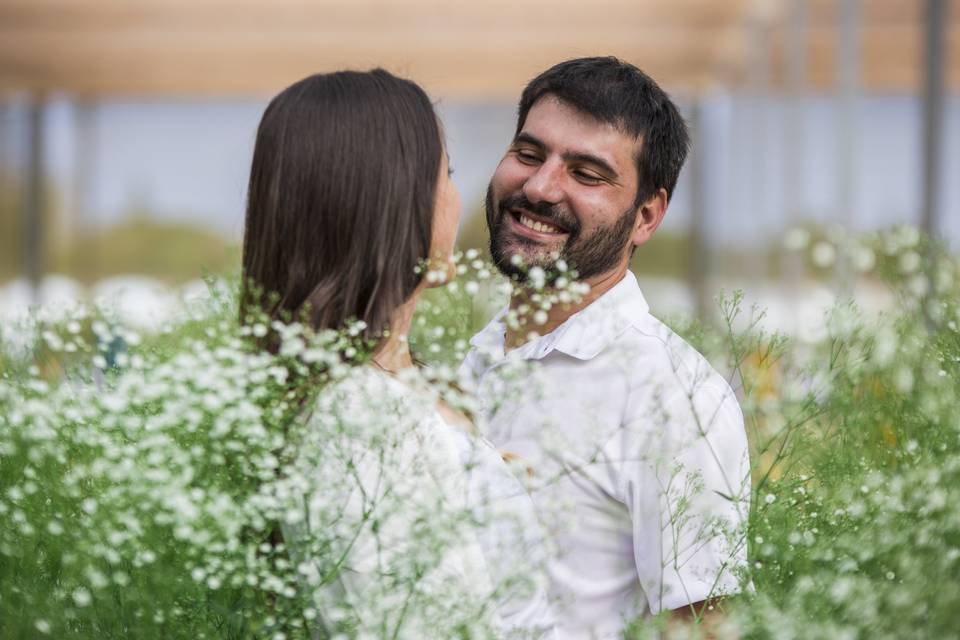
(635, 454)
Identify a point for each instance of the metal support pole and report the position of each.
(84, 161)
(849, 74)
(33, 202)
(935, 20)
(10, 261)
(758, 141)
(6, 148)
(698, 259)
(792, 264)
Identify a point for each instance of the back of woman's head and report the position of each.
(340, 201)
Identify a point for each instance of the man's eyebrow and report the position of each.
(529, 139)
(597, 161)
(583, 158)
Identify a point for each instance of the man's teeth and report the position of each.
(538, 226)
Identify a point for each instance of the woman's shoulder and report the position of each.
(362, 393)
(367, 409)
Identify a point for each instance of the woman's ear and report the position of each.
(649, 216)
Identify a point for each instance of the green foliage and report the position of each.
(11, 232)
(857, 448)
(129, 466)
(171, 252)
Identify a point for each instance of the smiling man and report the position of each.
(632, 445)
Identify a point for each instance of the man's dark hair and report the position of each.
(341, 199)
(615, 92)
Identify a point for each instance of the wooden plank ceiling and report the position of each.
(464, 49)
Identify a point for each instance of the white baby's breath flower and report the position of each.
(909, 262)
(114, 402)
(908, 236)
(823, 254)
(840, 589)
(53, 340)
(537, 277)
(796, 239)
(903, 380)
(81, 597)
(96, 578)
(918, 285)
(863, 258)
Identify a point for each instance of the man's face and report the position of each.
(565, 188)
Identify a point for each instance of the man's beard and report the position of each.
(589, 256)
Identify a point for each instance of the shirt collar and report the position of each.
(583, 335)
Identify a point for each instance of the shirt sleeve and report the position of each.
(686, 483)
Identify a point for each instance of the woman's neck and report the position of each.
(393, 354)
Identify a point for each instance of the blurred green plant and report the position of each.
(854, 530)
(171, 252)
(141, 244)
(11, 260)
(856, 451)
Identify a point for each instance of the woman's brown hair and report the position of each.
(341, 198)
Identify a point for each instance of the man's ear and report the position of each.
(649, 216)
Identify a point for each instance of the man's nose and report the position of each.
(545, 184)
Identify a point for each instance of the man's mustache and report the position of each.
(554, 214)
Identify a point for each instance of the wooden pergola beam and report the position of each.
(481, 50)
(215, 63)
(890, 54)
(470, 49)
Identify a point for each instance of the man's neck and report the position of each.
(558, 313)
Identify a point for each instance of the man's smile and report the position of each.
(535, 227)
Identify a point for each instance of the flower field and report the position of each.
(151, 485)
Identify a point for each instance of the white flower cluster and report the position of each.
(192, 484)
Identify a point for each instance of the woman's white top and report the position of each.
(413, 528)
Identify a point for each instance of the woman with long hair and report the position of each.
(350, 204)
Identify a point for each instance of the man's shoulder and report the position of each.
(652, 355)
(654, 341)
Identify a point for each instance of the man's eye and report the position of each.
(587, 178)
(527, 157)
